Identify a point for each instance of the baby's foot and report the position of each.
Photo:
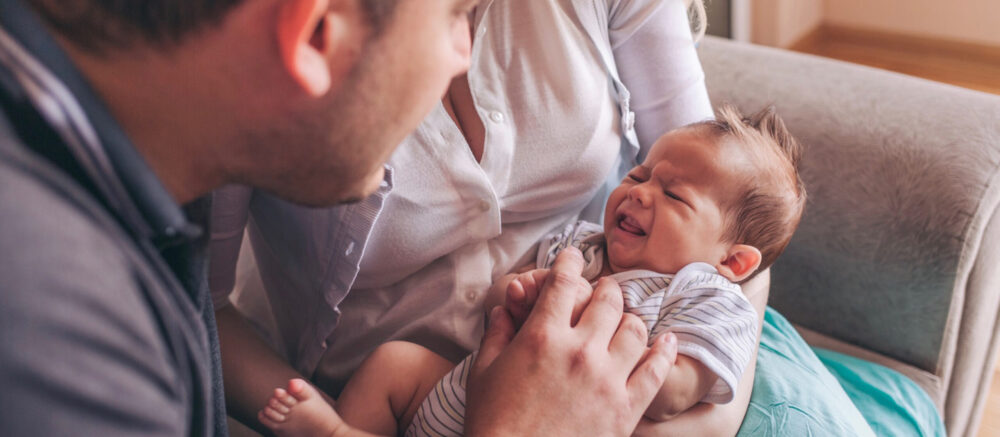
(299, 411)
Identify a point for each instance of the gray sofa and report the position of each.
(897, 259)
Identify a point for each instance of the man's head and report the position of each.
(303, 98)
(725, 192)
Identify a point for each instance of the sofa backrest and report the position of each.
(899, 248)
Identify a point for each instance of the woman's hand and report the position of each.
(718, 420)
(556, 377)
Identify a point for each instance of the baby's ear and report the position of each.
(739, 263)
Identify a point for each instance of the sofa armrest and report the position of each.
(899, 248)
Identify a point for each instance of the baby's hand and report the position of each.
(522, 292)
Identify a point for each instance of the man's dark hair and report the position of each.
(96, 25)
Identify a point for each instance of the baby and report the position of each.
(713, 203)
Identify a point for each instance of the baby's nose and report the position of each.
(640, 194)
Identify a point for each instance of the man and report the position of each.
(116, 113)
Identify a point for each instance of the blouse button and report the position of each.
(471, 296)
(496, 116)
(484, 205)
(350, 249)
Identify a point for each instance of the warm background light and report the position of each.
(956, 42)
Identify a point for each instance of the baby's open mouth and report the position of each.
(630, 225)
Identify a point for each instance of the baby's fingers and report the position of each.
(532, 282)
(522, 293)
(516, 303)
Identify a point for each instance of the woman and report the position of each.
(560, 97)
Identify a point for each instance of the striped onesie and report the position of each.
(714, 324)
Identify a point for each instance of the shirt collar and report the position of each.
(141, 198)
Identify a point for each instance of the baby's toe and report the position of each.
(282, 396)
(273, 414)
(278, 406)
(300, 389)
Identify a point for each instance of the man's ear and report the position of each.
(739, 263)
(308, 31)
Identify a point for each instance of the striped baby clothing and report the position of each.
(712, 319)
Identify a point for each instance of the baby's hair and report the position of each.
(765, 213)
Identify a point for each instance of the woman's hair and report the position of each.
(698, 17)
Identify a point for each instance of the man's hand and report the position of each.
(522, 293)
(556, 377)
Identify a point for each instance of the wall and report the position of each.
(781, 23)
(974, 21)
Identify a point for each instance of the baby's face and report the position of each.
(668, 212)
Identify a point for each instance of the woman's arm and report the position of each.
(687, 384)
(718, 420)
(230, 212)
(656, 59)
(250, 369)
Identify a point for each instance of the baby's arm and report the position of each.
(717, 329)
(687, 383)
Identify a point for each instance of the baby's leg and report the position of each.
(299, 411)
(385, 393)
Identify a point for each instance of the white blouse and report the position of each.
(450, 225)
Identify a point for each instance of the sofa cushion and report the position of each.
(793, 393)
(891, 403)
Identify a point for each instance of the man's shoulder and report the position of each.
(74, 312)
(57, 248)
(43, 216)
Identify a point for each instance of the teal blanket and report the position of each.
(799, 391)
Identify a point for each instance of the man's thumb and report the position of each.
(498, 335)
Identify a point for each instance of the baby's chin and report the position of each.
(619, 260)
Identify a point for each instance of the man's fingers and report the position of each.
(558, 293)
(629, 342)
(651, 372)
(602, 316)
(583, 296)
(497, 336)
(602, 313)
